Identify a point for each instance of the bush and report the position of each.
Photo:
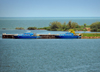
(84, 30)
(19, 28)
(98, 30)
(95, 26)
(46, 28)
(32, 28)
(94, 30)
(55, 25)
(74, 25)
(79, 29)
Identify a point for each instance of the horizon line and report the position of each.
(52, 17)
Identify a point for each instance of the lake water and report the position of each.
(48, 55)
(13, 22)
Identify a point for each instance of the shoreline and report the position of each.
(90, 37)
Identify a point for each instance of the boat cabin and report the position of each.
(26, 34)
(67, 34)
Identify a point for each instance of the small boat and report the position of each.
(26, 36)
(68, 35)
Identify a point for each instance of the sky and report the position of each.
(49, 8)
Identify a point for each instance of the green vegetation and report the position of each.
(32, 28)
(85, 25)
(19, 28)
(95, 27)
(90, 34)
(44, 28)
(57, 26)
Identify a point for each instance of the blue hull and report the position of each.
(68, 37)
(26, 37)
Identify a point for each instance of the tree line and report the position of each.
(57, 26)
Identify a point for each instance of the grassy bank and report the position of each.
(90, 35)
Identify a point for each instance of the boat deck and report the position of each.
(43, 36)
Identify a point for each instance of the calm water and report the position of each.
(13, 22)
(48, 55)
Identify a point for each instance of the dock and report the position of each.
(43, 36)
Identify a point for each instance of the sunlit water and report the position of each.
(48, 55)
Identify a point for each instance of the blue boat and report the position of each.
(26, 36)
(68, 35)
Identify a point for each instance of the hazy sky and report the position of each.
(49, 8)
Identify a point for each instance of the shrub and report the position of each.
(94, 30)
(32, 28)
(74, 25)
(19, 28)
(55, 25)
(84, 30)
(95, 26)
(98, 30)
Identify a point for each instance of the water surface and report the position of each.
(25, 22)
(49, 55)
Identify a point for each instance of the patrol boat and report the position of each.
(26, 36)
(67, 35)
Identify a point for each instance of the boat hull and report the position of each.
(26, 37)
(68, 37)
